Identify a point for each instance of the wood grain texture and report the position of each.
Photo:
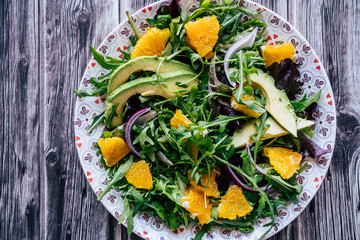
(44, 50)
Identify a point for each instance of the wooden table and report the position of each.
(43, 53)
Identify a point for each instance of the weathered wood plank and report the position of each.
(19, 120)
(70, 208)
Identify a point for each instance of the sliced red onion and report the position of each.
(259, 169)
(129, 126)
(270, 189)
(239, 182)
(214, 83)
(244, 42)
(146, 117)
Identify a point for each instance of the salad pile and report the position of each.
(202, 121)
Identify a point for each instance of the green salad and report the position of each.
(202, 121)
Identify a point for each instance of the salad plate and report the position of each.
(312, 76)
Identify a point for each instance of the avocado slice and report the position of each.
(243, 136)
(277, 102)
(146, 63)
(168, 85)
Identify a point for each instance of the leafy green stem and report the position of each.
(132, 24)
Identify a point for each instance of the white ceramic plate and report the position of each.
(312, 74)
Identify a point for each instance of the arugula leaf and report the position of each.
(111, 116)
(160, 210)
(174, 28)
(172, 191)
(247, 167)
(174, 220)
(101, 60)
(143, 138)
(240, 79)
(305, 102)
(255, 106)
(127, 214)
(221, 121)
(120, 173)
(204, 229)
(161, 21)
(261, 205)
(97, 121)
(285, 187)
(260, 131)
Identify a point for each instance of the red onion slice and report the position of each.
(214, 83)
(270, 189)
(259, 169)
(129, 126)
(238, 181)
(244, 42)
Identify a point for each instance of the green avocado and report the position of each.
(243, 136)
(277, 102)
(146, 63)
(168, 85)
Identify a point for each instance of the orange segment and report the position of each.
(276, 53)
(113, 149)
(244, 108)
(139, 175)
(179, 119)
(203, 34)
(152, 43)
(234, 204)
(194, 202)
(212, 187)
(285, 161)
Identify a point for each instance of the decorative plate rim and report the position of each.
(322, 73)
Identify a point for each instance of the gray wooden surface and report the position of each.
(43, 53)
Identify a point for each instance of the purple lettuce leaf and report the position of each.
(309, 147)
(221, 106)
(286, 77)
(134, 105)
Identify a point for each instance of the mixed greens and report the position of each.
(220, 116)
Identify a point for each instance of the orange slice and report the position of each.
(203, 34)
(113, 149)
(152, 43)
(179, 119)
(285, 161)
(234, 204)
(139, 175)
(276, 53)
(194, 202)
